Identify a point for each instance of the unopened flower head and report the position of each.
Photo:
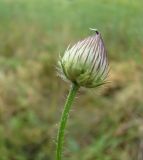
(86, 63)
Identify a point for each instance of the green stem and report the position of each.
(64, 117)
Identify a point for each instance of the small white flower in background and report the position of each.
(86, 63)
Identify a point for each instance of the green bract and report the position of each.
(86, 63)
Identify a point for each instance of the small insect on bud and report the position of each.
(86, 63)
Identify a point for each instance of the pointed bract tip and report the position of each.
(95, 30)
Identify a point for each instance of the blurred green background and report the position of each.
(105, 123)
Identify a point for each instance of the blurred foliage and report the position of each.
(105, 123)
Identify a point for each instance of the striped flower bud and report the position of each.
(86, 63)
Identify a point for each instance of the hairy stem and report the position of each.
(63, 121)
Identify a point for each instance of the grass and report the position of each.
(105, 124)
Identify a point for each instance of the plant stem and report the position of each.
(64, 117)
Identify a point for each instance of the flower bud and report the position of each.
(86, 63)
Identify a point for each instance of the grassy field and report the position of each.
(105, 123)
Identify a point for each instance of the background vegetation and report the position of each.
(105, 123)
